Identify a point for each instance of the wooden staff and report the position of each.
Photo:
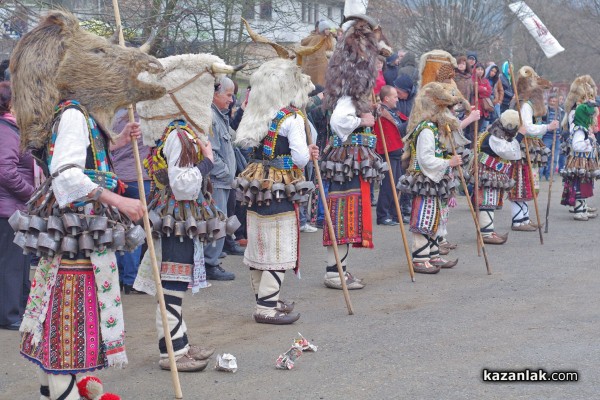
(475, 159)
(148, 229)
(411, 269)
(552, 168)
(475, 220)
(531, 180)
(328, 219)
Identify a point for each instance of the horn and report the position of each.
(302, 51)
(282, 52)
(220, 68)
(145, 48)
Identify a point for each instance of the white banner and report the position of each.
(537, 29)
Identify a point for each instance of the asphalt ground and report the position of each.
(429, 339)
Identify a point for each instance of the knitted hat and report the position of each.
(324, 25)
(472, 54)
(404, 82)
(584, 114)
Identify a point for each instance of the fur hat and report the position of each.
(58, 60)
(275, 84)
(530, 87)
(583, 88)
(190, 79)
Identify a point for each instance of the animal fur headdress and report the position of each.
(582, 89)
(435, 102)
(58, 60)
(506, 126)
(352, 70)
(531, 88)
(435, 65)
(276, 84)
(190, 82)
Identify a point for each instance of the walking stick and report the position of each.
(531, 180)
(411, 270)
(551, 170)
(148, 229)
(476, 164)
(328, 219)
(475, 220)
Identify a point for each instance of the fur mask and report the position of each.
(352, 70)
(530, 87)
(190, 81)
(582, 89)
(58, 60)
(431, 63)
(276, 84)
(506, 126)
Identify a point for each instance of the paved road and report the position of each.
(428, 339)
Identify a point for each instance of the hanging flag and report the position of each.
(537, 29)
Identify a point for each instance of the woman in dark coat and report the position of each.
(16, 186)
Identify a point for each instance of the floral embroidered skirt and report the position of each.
(71, 340)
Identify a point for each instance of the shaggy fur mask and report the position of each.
(431, 63)
(276, 84)
(191, 79)
(582, 89)
(506, 126)
(531, 88)
(434, 102)
(58, 60)
(352, 70)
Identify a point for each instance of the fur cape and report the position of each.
(352, 70)
(194, 95)
(58, 60)
(434, 102)
(276, 84)
(582, 89)
(530, 87)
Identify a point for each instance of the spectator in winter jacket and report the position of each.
(406, 90)
(492, 73)
(484, 90)
(390, 72)
(471, 60)
(463, 78)
(551, 115)
(380, 80)
(507, 86)
(408, 66)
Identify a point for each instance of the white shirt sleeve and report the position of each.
(185, 182)
(344, 119)
(432, 166)
(580, 143)
(293, 129)
(533, 130)
(70, 147)
(507, 150)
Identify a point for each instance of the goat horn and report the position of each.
(145, 48)
(308, 50)
(282, 52)
(220, 68)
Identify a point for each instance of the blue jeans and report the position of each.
(320, 208)
(129, 262)
(548, 143)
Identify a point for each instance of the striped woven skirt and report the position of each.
(71, 341)
(426, 214)
(522, 190)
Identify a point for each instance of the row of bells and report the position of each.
(495, 181)
(369, 169)
(421, 185)
(70, 234)
(205, 230)
(250, 192)
(580, 172)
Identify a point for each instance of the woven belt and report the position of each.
(365, 138)
(583, 154)
(281, 162)
(493, 163)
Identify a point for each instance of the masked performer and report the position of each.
(583, 89)
(496, 149)
(428, 176)
(315, 64)
(582, 162)
(273, 183)
(67, 86)
(181, 210)
(350, 162)
(530, 87)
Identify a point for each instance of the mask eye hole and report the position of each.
(99, 50)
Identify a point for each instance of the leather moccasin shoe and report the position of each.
(351, 282)
(449, 246)
(444, 251)
(591, 209)
(279, 318)
(524, 228)
(425, 268)
(285, 306)
(184, 363)
(440, 262)
(200, 353)
(494, 239)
